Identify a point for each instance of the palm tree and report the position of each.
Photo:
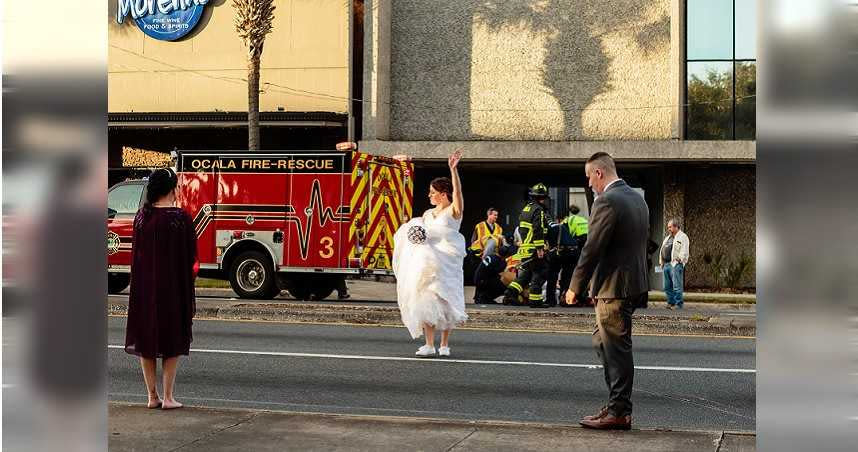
(253, 20)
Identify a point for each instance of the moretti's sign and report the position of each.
(166, 20)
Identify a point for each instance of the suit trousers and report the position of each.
(612, 340)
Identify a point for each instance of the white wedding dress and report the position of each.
(428, 268)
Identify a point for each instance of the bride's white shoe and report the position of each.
(425, 351)
(443, 351)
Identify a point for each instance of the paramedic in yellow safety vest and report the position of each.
(566, 239)
(533, 271)
(485, 230)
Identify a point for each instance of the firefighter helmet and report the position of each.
(538, 190)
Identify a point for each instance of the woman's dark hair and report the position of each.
(161, 182)
(443, 185)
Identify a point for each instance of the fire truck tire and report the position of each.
(117, 282)
(252, 276)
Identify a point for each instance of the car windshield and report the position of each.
(125, 199)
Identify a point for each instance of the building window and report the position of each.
(721, 69)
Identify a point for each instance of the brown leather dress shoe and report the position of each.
(608, 422)
(599, 415)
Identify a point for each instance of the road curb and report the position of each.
(478, 318)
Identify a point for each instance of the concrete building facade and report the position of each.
(530, 89)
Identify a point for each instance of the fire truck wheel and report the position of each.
(117, 282)
(252, 276)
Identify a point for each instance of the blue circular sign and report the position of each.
(171, 26)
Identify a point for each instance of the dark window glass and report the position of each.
(746, 30)
(746, 100)
(125, 199)
(710, 29)
(710, 104)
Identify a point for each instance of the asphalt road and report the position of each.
(680, 382)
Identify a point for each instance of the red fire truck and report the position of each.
(269, 221)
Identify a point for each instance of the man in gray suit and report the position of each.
(614, 262)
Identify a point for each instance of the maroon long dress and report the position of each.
(162, 305)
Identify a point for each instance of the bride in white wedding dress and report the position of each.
(427, 259)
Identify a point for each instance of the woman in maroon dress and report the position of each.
(163, 268)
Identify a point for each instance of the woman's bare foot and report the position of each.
(171, 404)
(154, 402)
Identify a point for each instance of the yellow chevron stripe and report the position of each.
(373, 234)
(357, 166)
(361, 187)
(385, 227)
(382, 227)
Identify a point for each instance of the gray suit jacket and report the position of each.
(614, 257)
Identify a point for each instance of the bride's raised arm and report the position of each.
(458, 201)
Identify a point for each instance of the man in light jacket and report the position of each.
(673, 257)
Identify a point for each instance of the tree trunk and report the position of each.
(253, 103)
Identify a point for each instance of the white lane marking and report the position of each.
(463, 361)
(8, 386)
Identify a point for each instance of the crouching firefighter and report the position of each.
(488, 282)
(533, 270)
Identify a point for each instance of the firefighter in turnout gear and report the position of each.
(566, 239)
(533, 270)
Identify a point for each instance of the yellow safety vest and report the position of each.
(483, 234)
(577, 225)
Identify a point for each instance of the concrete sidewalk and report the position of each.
(134, 427)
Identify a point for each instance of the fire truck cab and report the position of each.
(274, 220)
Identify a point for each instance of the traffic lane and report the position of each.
(686, 351)
(663, 399)
(687, 312)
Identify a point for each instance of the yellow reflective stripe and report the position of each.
(515, 286)
(525, 224)
(535, 297)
